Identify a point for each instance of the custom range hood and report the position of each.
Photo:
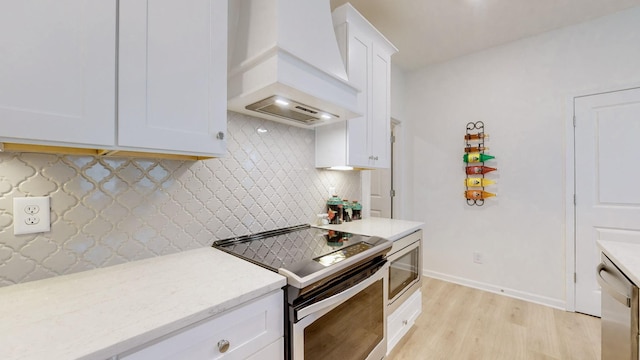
(285, 64)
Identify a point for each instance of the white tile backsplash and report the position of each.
(107, 211)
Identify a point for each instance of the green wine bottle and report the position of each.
(476, 157)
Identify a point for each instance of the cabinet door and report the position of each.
(172, 75)
(359, 70)
(380, 121)
(57, 71)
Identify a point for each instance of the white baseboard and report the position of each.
(537, 299)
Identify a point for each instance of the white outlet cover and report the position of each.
(21, 215)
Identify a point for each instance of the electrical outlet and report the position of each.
(31, 215)
(31, 220)
(477, 258)
(31, 209)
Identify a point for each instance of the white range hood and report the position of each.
(285, 65)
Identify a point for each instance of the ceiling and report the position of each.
(431, 31)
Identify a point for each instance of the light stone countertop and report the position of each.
(103, 312)
(390, 229)
(625, 255)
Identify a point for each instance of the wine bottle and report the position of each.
(477, 136)
(478, 182)
(477, 170)
(469, 149)
(478, 194)
(476, 157)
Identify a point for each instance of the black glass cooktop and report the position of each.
(283, 248)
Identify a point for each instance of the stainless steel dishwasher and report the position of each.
(619, 313)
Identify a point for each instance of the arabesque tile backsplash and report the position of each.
(107, 211)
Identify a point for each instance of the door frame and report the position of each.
(570, 169)
(397, 166)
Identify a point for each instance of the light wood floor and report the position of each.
(460, 323)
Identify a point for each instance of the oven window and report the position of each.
(351, 330)
(402, 272)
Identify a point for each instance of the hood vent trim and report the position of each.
(293, 110)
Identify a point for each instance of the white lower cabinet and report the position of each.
(401, 320)
(250, 331)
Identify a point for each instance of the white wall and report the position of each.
(521, 91)
(398, 88)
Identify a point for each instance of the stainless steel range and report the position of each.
(335, 292)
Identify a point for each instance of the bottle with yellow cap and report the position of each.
(478, 182)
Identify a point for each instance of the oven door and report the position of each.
(348, 325)
(404, 272)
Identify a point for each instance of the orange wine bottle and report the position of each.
(478, 194)
(477, 136)
(477, 170)
(469, 149)
(476, 157)
(478, 182)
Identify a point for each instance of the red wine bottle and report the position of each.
(476, 170)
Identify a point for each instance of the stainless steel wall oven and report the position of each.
(336, 294)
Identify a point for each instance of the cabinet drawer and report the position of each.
(401, 320)
(247, 329)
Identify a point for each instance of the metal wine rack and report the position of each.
(475, 143)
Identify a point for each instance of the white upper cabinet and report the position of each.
(362, 142)
(58, 71)
(172, 75)
(143, 76)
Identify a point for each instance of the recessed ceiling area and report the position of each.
(432, 31)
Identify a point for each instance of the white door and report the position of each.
(606, 183)
(381, 193)
(381, 189)
(173, 75)
(58, 71)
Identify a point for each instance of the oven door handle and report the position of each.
(339, 298)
